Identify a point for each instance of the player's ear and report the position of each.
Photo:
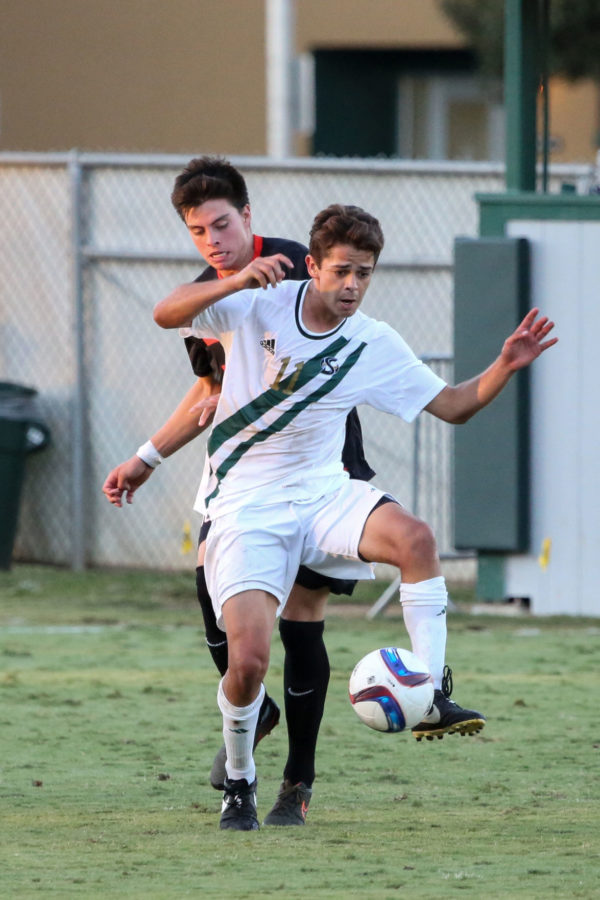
(246, 214)
(311, 265)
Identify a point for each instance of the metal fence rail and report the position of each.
(91, 242)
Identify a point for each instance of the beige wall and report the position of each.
(574, 120)
(127, 75)
(377, 23)
(188, 76)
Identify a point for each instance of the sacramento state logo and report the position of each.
(329, 365)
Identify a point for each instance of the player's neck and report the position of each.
(316, 317)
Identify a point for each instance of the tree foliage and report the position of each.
(574, 34)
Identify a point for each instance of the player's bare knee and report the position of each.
(248, 672)
(419, 546)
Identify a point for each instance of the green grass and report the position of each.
(108, 727)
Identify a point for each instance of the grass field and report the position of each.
(108, 727)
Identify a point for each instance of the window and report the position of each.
(415, 104)
(448, 117)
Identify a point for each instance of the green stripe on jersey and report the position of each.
(270, 398)
(286, 417)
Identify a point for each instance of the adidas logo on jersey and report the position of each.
(269, 345)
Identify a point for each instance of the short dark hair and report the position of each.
(344, 225)
(208, 178)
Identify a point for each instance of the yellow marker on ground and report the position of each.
(186, 543)
(544, 557)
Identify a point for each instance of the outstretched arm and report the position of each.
(458, 404)
(181, 427)
(187, 300)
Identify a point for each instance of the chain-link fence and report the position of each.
(90, 243)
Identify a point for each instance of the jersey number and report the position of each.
(293, 378)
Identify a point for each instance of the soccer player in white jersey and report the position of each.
(211, 197)
(299, 356)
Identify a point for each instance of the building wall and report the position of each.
(126, 75)
(560, 573)
(574, 124)
(373, 23)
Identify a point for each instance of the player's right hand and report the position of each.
(126, 478)
(263, 271)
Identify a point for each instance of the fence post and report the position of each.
(78, 412)
(416, 466)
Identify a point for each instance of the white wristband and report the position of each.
(149, 454)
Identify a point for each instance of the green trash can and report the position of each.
(22, 432)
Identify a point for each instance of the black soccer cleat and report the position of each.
(268, 718)
(218, 773)
(446, 716)
(291, 805)
(238, 812)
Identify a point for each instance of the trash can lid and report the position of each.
(18, 404)
(17, 409)
(12, 389)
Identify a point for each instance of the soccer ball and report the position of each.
(391, 689)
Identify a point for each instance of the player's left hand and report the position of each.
(206, 408)
(125, 479)
(528, 341)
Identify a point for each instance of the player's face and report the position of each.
(221, 234)
(341, 280)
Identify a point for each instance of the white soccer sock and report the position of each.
(239, 727)
(424, 610)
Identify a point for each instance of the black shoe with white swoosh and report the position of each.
(446, 716)
(238, 812)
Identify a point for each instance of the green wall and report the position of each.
(492, 449)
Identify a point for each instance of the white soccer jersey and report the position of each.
(279, 427)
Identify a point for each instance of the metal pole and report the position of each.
(416, 466)
(279, 28)
(520, 88)
(544, 79)
(78, 429)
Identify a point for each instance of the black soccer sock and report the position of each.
(305, 681)
(216, 640)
